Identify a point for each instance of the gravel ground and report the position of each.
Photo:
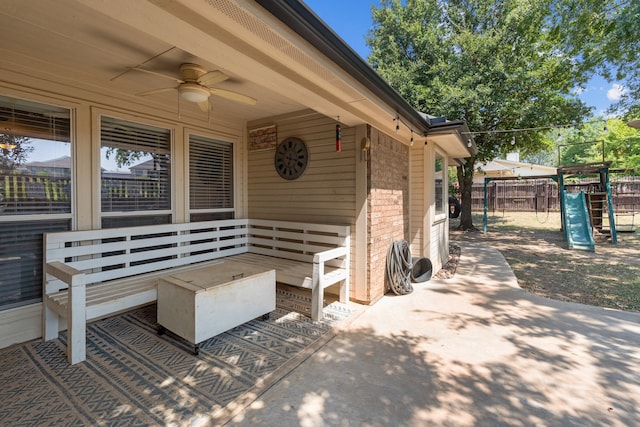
(449, 269)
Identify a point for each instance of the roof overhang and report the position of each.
(453, 137)
(297, 16)
(277, 51)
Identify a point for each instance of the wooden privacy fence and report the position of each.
(540, 195)
(27, 193)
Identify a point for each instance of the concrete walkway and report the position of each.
(475, 350)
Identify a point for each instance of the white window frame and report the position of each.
(441, 215)
(187, 178)
(40, 217)
(97, 119)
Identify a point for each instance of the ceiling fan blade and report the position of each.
(204, 106)
(212, 77)
(155, 73)
(156, 91)
(233, 96)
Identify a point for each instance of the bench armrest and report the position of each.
(329, 254)
(67, 274)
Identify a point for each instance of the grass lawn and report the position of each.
(534, 247)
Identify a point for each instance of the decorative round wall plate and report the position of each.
(291, 158)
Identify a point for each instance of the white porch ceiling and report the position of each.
(91, 44)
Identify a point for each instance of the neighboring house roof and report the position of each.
(115, 174)
(146, 165)
(63, 162)
(509, 168)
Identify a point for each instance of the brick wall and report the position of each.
(388, 205)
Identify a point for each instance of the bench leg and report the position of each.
(317, 303)
(344, 291)
(77, 327)
(50, 323)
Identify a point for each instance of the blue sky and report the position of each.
(351, 20)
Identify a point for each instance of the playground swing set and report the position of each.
(585, 207)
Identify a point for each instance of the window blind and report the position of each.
(35, 158)
(146, 150)
(118, 133)
(210, 174)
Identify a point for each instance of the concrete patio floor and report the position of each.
(474, 350)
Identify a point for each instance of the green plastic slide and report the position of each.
(576, 220)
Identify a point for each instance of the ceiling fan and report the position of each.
(196, 85)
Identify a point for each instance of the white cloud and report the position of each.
(616, 92)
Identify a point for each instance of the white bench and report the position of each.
(96, 273)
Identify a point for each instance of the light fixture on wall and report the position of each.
(338, 136)
(397, 120)
(8, 140)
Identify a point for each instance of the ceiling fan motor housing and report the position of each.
(191, 72)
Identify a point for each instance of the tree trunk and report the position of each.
(465, 180)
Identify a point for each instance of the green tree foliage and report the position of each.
(124, 157)
(613, 142)
(603, 35)
(496, 64)
(14, 151)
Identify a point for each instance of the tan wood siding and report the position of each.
(418, 212)
(325, 193)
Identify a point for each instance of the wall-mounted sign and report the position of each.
(263, 138)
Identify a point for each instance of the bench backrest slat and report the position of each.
(108, 254)
(103, 276)
(295, 240)
(91, 248)
(129, 258)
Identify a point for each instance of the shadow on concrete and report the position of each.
(474, 350)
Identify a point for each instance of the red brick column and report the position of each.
(388, 206)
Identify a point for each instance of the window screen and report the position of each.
(210, 174)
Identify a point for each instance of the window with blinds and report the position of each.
(210, 178)
(35, 183)
(439, 188)
(136, 167)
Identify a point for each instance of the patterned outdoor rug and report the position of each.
(132, 376)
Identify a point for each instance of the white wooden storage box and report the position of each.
(202, 303)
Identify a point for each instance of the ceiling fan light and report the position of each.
(193, 93)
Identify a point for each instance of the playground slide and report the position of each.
(576, 220)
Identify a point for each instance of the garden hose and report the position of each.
(399, 267)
